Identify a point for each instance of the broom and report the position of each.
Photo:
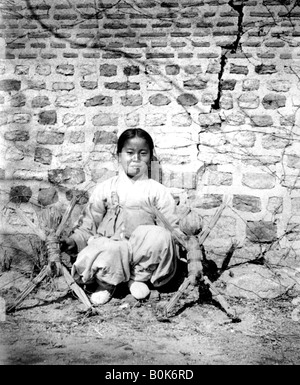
(51, 226)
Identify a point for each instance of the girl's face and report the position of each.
(135, 157)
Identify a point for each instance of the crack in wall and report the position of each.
(229, 48)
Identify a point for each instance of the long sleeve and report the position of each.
(166, 204)
(91, 217)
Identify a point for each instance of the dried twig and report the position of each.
(77, 289)
(66, 216)
(205, 233)
(28, 289)
(217, 296)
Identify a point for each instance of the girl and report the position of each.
(117, 236)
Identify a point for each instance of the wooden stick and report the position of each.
(40, 277)
(29, 288)
(76, 288)
(205, 233)
(182, 288)
(221, 300)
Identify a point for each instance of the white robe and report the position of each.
(118, 236)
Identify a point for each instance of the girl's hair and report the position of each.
(132, 133)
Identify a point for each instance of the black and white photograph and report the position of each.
(149, 185)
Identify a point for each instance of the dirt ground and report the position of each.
(50, 327)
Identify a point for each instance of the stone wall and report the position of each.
(216, 83)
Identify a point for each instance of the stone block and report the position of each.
(247, 203)
(43, 69)
(236, 119)
(17, 135)
(159, 100)
(217, 178)
(22, 69)
(105, 119)
(207, 201)
(187, 100)
(209, 120)
(9, 85)
(258, 180)
(261, 231)
(238, 69)
(65, 69)
(255, 282)
(248, 100)
(287, 120)
(99, 100)
(73, 120)
(156, 119)
(42, 155)
(228, 84)
(132, 100)
(20, 194)
(293, 161)
(105, 137)
(244, 139)
(262, 120)
(279, 85)
(47, 196)
(131, 70)
(273, 101)
(274, 141)
(182, 120)
(295, 202)
(40, 102)
(66, 101)
(36, 85)
(69, 175)
(250, 84)
(121, 86)
(63, 86)
(172, 69)
(50, 137)
(77, 137)
(20, 118)
(195, 84)
(89, 85)
(18, 100)
(265, 69)
(275, 205)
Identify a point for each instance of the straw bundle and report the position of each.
(188, 281)
(51, 225)
(49, 220)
